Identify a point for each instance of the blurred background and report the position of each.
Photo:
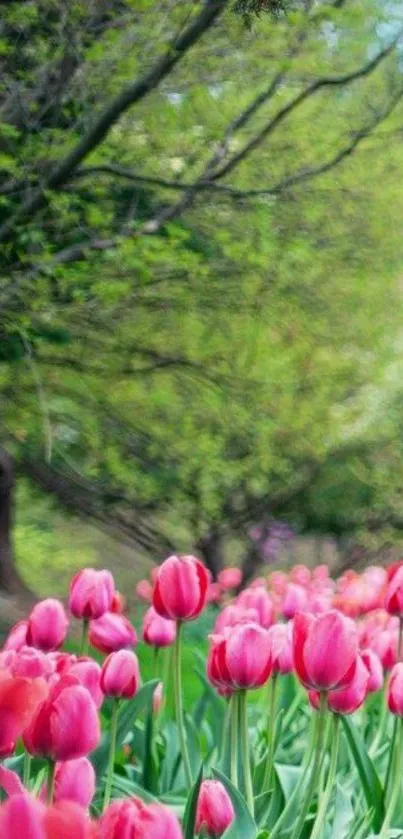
(201, 294)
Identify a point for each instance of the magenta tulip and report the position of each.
(17, 637)
(280, 639)
(215, 811)
(157, 631)
(88, 674)
(75, 781)
(66, 724)
(91, 594)
(325, 650)
(120, 675)
(395, 690)
(112, 632)
(241, 660)
(259, 599)
(180, 590)
(375, 670)
(47, 625)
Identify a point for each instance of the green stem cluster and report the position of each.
(112, 750)
(179, 706)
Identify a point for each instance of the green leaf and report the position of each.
(243, 827)
(189, 818)
(127, 717)
(371, 784)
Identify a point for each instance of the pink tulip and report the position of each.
(232, 615)
(295, 600)
(242, 659)
(214, 809)
(112, 632)
(118, 604)
(280, 639)
(320, 572)
(66, 724)
(32, 663)
(260, 600)
(230, 578)
(22, 816)
(394, 593)
(47, 625)
(19, 700)
(214, 593)
(17, 637)
(301, 575)
(11, 782)
(375, 670)
(395, 690)
(67, 820)
(75, 781)
(144, 591)
(181, 588)
(120, 819)
(158, 822)
(157, 631)
(91, 594)
(120, 675)
(88, 673)
(325, 650)
(349, 699)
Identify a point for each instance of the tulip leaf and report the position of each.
(189, 819)
(243, 827)
(371, 784)
(126, 719)
(343, 813)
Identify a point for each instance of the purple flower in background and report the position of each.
(270, 537)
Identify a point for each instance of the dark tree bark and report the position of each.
(10, 581)
(210, 548)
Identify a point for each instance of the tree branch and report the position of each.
(130, 94)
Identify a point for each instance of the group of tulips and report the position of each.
(342, 641)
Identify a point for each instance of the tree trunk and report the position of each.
(251, 562)
(211, 549)
(10, 581)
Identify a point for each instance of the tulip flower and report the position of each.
(394, 602)
(112, 632)
(158, 822)
(295, 600)
(157, 631)
(181, 588)
(24, 816)
(65, 726)
(91, 594)
(19, 699)
(234, 614)
(132, 818)
(280, 638)
(47, 625)
(325, 650)
(158, 698)
(75, 781)
(118, 604)
(230, 578)
(120, 675)
(348, 699)
(31, 663)
(258, 599)
(215, 811)
(179, 594)
(395, 690)
(88, 674)
(119, 679)
(375, 670)
(17, 637)
(144, 591)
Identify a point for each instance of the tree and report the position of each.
(125, 289)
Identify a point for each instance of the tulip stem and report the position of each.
(396, 780)
(155, 663)
(234, 739)
(304, 766)
(27, 769)
(112, 749)
(84, 637)
(315, 769)
(179, 705)
(327, 793)
(51, 780)
(243, 705)
(270, 732)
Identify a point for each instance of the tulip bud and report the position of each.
(374, 667)
(395, 690)
(242, 659)
(32, 664)
(214, 809)
(47, 625)
(325, 650)
(120, 675)
(118, 603)
(349, 699)
(295, 600)
(158, 698)
(157, 631)
(66, 724)
(88, 673)
(75, 781)
(230, 578)
(260, 600)
(280, 639)
(181, 588)
(144, 591)
(232, 615)
(17, 637)
(91, 594)
(112, 632)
